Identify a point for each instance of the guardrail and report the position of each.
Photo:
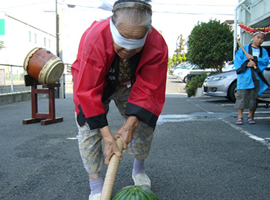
(12, 79)
(13, 89)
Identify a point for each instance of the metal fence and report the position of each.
(12, 79)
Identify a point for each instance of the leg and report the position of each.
(240, 104)
(139, 147)
(91, 153)
(253, 103)
(240, 117)
(90, 148)
(240, 113)
(138, 167)
(250, 117)
(96, 186)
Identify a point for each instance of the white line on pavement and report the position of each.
(254, 137)
(72, 138)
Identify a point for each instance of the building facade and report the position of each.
(255, 14)
(19, 37)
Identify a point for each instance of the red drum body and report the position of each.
(43, 66)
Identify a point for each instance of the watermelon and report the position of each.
(135, 193)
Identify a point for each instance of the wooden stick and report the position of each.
(111, 174)
(240, 45)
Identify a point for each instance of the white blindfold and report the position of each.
(258, 33)
(125, 42)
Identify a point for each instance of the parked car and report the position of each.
(185, 75)
(171, 70)
(181, 67)
(224, 84)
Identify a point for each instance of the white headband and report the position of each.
(258, 32)
(125, 42)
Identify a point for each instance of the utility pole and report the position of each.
(58, 15)
(60, 92)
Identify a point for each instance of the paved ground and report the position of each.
(198, 153)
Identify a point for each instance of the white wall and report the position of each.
(17, 44)
(259, 9)
(259, 12)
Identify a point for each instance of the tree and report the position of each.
(184, 58)
(180, 59)
(180, 46)
(170, 63)
(194, 83)
(174, 58)
(210, 45)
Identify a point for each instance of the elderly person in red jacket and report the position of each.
(121, 59)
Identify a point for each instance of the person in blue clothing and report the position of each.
(250, 80)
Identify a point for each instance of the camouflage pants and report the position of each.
(247, 98)
(90, 145)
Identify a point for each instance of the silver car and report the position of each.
(181, 67)
(186, 74)
(224, 84)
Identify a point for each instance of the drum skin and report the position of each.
(43, 66)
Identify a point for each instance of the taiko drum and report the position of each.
(43, 66)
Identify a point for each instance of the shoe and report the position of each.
(250, 120)
(142, 180)
(239, 121)
(95, 197)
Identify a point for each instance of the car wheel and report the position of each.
(186, 79)
(232, 91)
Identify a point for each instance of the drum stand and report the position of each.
(44, 119)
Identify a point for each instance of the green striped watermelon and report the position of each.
(135, 193)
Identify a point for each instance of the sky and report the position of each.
(171, 17)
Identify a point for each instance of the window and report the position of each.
(35, 38)
(30, 39)
(44, 41)
(49, 43)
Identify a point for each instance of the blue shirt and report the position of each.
(244, 80)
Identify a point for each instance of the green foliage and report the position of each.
(210, 44)
(180, 59)
(170, 63)
(180, 46)
(174, 58)
(180, 42)
(194, 83)
(184, 59)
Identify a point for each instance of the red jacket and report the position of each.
(96, 56)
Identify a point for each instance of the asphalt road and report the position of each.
(197, 153)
